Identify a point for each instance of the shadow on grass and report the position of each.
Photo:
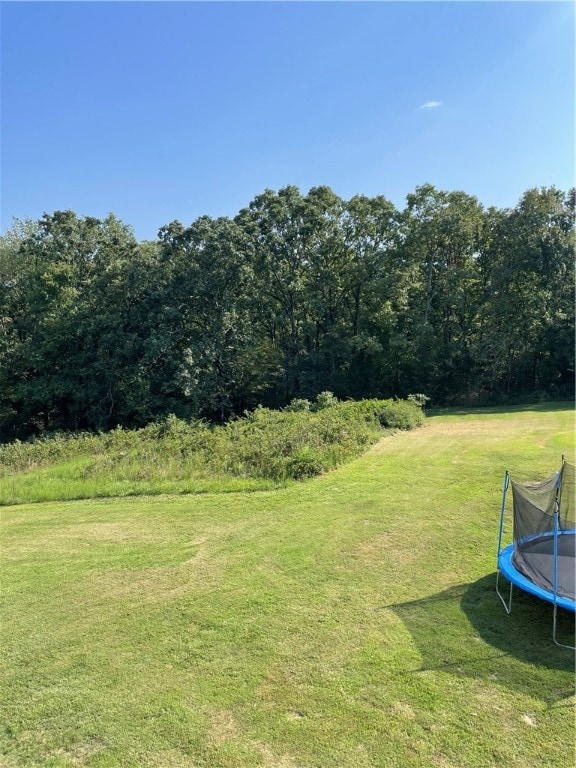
(448, 629)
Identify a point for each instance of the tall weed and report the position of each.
(294, 443)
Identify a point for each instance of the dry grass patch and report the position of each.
(272, 760)
(222, 726)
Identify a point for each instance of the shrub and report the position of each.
(298, 405)
(304, 463)
(398, 414)
(325, 400)
(300, 441)
(420, 399)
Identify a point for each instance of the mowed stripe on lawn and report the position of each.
(345, 621)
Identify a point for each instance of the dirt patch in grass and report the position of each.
(80, 754)
(77, 536)
(404, 710)
(107, 532)
(374, 548)
(172, 759)
(271, 760)
(157, 584)
(223, 726)
(146, 586)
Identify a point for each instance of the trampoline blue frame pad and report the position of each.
(514, 576)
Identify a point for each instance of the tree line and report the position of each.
(295, 295)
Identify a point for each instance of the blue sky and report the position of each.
(158, 111)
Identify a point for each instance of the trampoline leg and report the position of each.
(507, 607)
(562, 645)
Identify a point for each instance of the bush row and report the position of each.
(304, 439)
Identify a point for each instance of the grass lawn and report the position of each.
(349, 620)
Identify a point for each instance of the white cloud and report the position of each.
(431, 105)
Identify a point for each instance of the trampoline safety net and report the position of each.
(548, 560)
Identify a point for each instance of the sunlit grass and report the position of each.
(349, 620)
(260, 452)
(65, 481)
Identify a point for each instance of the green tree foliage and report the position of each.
(295, 296)
(441, 238)
(282, 238)
(74, 341)
(526, 342)
(222, 365)
(323, 267)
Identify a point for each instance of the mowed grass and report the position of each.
(349, 620)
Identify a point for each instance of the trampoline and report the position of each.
(541, 560)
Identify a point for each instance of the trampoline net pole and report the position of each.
(554, 623)
(555, 558)
(507, 605)
(502, 512)
(566, 509)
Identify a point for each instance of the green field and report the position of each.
(348, 620)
